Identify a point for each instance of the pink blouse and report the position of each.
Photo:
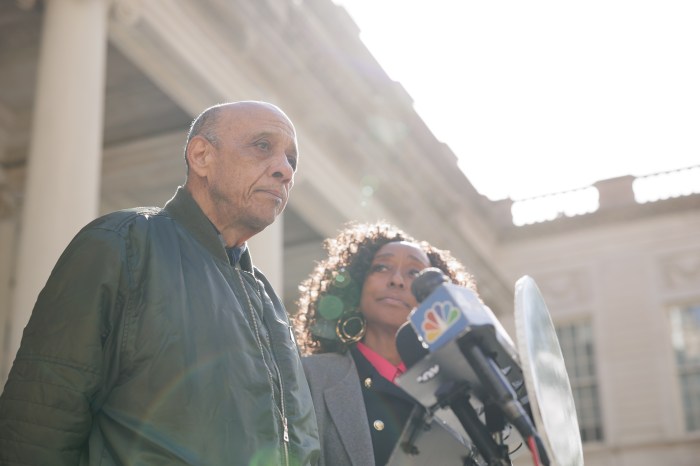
(384, 367)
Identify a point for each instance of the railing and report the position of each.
(667, 185)
(553, 206)
(613, 192)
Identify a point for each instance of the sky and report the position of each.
(537, 97)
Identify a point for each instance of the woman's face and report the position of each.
(386, 298)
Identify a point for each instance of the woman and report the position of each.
(350, 309)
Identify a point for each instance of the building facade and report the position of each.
(622, 285)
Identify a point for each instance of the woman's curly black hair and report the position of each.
(333, 289)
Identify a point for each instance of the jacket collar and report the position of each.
(184, 209)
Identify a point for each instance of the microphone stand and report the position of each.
(498, 387)
(457, 398)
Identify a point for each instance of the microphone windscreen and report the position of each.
(425, 283)
(410, 348)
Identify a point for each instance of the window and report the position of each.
(685, 336)
(576, 342)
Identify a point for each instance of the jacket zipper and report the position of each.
(256, 331)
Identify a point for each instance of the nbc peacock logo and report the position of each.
(438, 319)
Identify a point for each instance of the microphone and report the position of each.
(426, 282)
(455, 349)
(410, 348)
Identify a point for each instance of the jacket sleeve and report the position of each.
(46, 406)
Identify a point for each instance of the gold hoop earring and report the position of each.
(351, 329)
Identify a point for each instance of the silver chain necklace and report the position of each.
(256, 330)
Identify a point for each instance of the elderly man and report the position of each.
(155, 340)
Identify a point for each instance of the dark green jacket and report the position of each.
(141, 351)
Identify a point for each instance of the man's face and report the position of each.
(253, 166)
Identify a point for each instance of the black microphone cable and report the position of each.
(495, 382)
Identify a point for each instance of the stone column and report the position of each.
(266, 250)
(8, 238)
(63, 172)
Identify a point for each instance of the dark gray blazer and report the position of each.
(340, 410)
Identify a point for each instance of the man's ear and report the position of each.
(199, 152)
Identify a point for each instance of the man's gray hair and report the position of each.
(205, 125)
